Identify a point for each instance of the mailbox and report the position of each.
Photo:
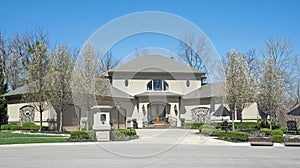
(101, 126)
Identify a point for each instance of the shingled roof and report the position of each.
(206, 91)
(156, 64)
(112, 92)
(17, 91)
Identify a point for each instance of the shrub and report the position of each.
(207, 129)
(11, 126)
(128, 131)
(5, 127)
(237, 136)
(195, 125)
(220, 134)
(14, 127)
(278, 138)
(267, 131)
(30, 126)
(283, 129)
(79, 135)
(266, 124)
(277, 132)
(124, 135)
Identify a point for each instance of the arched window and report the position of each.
(157, 85)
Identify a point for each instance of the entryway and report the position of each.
(157, 113)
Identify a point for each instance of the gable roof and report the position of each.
(206, 91)
(116, 93)
(156, 64)
(18, 91)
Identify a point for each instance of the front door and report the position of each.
(157, 113)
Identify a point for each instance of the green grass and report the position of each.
(7, 137)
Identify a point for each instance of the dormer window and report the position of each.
(157, 85)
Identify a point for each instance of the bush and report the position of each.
(277, 132)
(195, 125)
(283, 129)
(79, 135)
(5, 127)
(30, 126)
(207, 129)
(128, 131)
(124, 135)
(266, 124)
(267, 131)
(237, 136)
(11, 126)
(220, 134)
(278, 138)
(15, 127)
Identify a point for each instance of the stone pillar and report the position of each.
(101, 126)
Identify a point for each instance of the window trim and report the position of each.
(164, 86)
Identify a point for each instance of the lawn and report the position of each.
(8, 137)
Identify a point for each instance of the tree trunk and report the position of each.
(232, 119)
(270, 122)
(61, 121)
(41, 118)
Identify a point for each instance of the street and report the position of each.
(123, 154)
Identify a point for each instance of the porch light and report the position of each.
(175, 109)
(143, 109)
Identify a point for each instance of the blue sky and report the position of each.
(239, 24)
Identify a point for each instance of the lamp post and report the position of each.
(118, 106)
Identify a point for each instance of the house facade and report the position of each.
(148, 90)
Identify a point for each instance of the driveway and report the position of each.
(175, 136)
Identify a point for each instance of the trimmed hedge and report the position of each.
(26, 126)
(79, 135)
(195, 125)
(124, 135)
(30, 126)
(11, 126)
(266, 124)
(207, 129)
(278, 138)
(277, 132)
(128, 131)
(246, 125)
(267, 131)
(220, 134)
(237, 136)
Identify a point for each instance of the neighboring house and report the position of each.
(151, 90)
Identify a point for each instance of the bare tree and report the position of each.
(275, 81)
(15, 66)
(61, 64)
(4, 54)
(108, 62)
(37, 70)
(238, 83)
(192, 51)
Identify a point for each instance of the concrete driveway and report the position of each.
(175, 136)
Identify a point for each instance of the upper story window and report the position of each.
(158, 85)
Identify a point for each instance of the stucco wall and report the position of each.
(137, 86)
(13, 111)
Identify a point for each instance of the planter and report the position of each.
(261, 141)
(292, 141)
